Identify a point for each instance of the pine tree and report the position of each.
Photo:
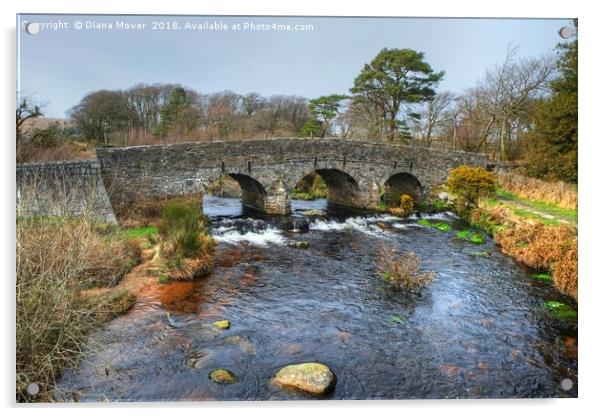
(552, 150)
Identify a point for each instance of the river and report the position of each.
(478, 331)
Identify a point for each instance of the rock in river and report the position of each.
(299, 244)
(313, 378)
(223, 376)
(225, 324)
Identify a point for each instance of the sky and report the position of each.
(60, 63)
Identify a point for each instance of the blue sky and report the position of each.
(61, 66)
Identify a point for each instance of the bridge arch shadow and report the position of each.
(399, 184)
(251, 191)
(341, 188)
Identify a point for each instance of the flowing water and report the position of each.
(478, 331)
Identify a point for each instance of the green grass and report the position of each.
(396, 319)
(545, 207)
(544, 277)
(128, 265)
(163, 278)
(560, 310)
(441, 226)
(471, 236)
(307, 196)
(141, 232)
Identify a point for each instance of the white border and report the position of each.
(590, 191)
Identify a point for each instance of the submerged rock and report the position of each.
(225, 324)
(223, 376)
(313, 213)
(312, 378)
(299, 244)
(197, 359)
(244, 344)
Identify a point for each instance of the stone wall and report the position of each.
(71, 188)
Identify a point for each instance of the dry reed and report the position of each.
(557, 193)
(56, 260)
(403, 271)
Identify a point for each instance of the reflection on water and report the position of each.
(477, 331)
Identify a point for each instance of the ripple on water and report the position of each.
(477, 331)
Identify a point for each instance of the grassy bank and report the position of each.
(538, 233)
(69, 281)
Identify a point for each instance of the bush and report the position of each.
(545, 248)
(471, 184)
(402, 271)
(56, 260)
(47, 137)
(185, 245)
(181, 226)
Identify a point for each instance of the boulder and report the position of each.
(223, 376)
(314, 378)
(225, 324)
(296, 225)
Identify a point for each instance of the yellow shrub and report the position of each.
(471, 184)
(406, 203)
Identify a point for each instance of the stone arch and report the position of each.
(343, 189)
(399, 184)
(253, 192)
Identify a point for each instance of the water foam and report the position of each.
(260, 238)
(361, 224)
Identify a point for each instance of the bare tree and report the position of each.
(27, 109)
(508, 90)
(432, 114)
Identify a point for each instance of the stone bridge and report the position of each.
(268, 169)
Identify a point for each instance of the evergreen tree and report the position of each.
(394, 78)
(552, 151)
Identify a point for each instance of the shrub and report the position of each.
(471, 184)
(402, 271)
(56, 260)
(181, 226)
(565, 270)
(545, 248)
(185, 245)
(406, 205)
(47, 137)
(188, 269)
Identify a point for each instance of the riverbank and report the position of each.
(74, 274)
(58, 259)
(540, 234)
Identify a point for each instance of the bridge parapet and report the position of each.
(267, 170)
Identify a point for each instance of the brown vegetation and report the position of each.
(56, 260)
(557, 193)
(402, 271)
(545, 248)
(146, 212)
